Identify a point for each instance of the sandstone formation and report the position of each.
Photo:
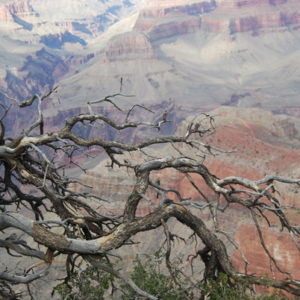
(217, 16)
(129, 46)
(169, 12)
(19, 9)
(254, 16)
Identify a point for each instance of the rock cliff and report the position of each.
(254, 16)
(13, 11)
(39, 71)
(168, 12)
(129, 46)
(215, 49)
(217, 16)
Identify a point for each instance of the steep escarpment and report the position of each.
(168, 50)
(129, 46)
(163, 19)
(15, 12)
(253, 16)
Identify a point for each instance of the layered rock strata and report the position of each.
(129, 46)
(212, 16)
(19, 9)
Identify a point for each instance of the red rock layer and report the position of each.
(156, 11)
(20, 9)
(158, 18)
(252, 15)
(127, 46)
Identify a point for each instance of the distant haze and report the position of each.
(201, 53)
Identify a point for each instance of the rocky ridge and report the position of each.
(255, 16)
(217, 16)
(129, 46)
(12, 10)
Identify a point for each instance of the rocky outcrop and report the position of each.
(252, 15)
(129, 46)
(19, 9)
(174, 28)
(162, 19)
(5, 15)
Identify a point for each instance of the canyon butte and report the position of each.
(237, 60)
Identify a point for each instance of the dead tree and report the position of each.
(28, 161)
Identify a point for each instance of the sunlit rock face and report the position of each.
(252, 15)
(217, 16)
(129, 46)
(14, 11)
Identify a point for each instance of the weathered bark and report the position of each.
(29, 161)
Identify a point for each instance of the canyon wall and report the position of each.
(17, 9)
(254, 16)
(212, 16)
(129, 46)
(216, 33)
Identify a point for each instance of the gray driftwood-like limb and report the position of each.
(22, 249)
(168, 252)
(26, 278)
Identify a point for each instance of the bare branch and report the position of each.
(24, 279)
